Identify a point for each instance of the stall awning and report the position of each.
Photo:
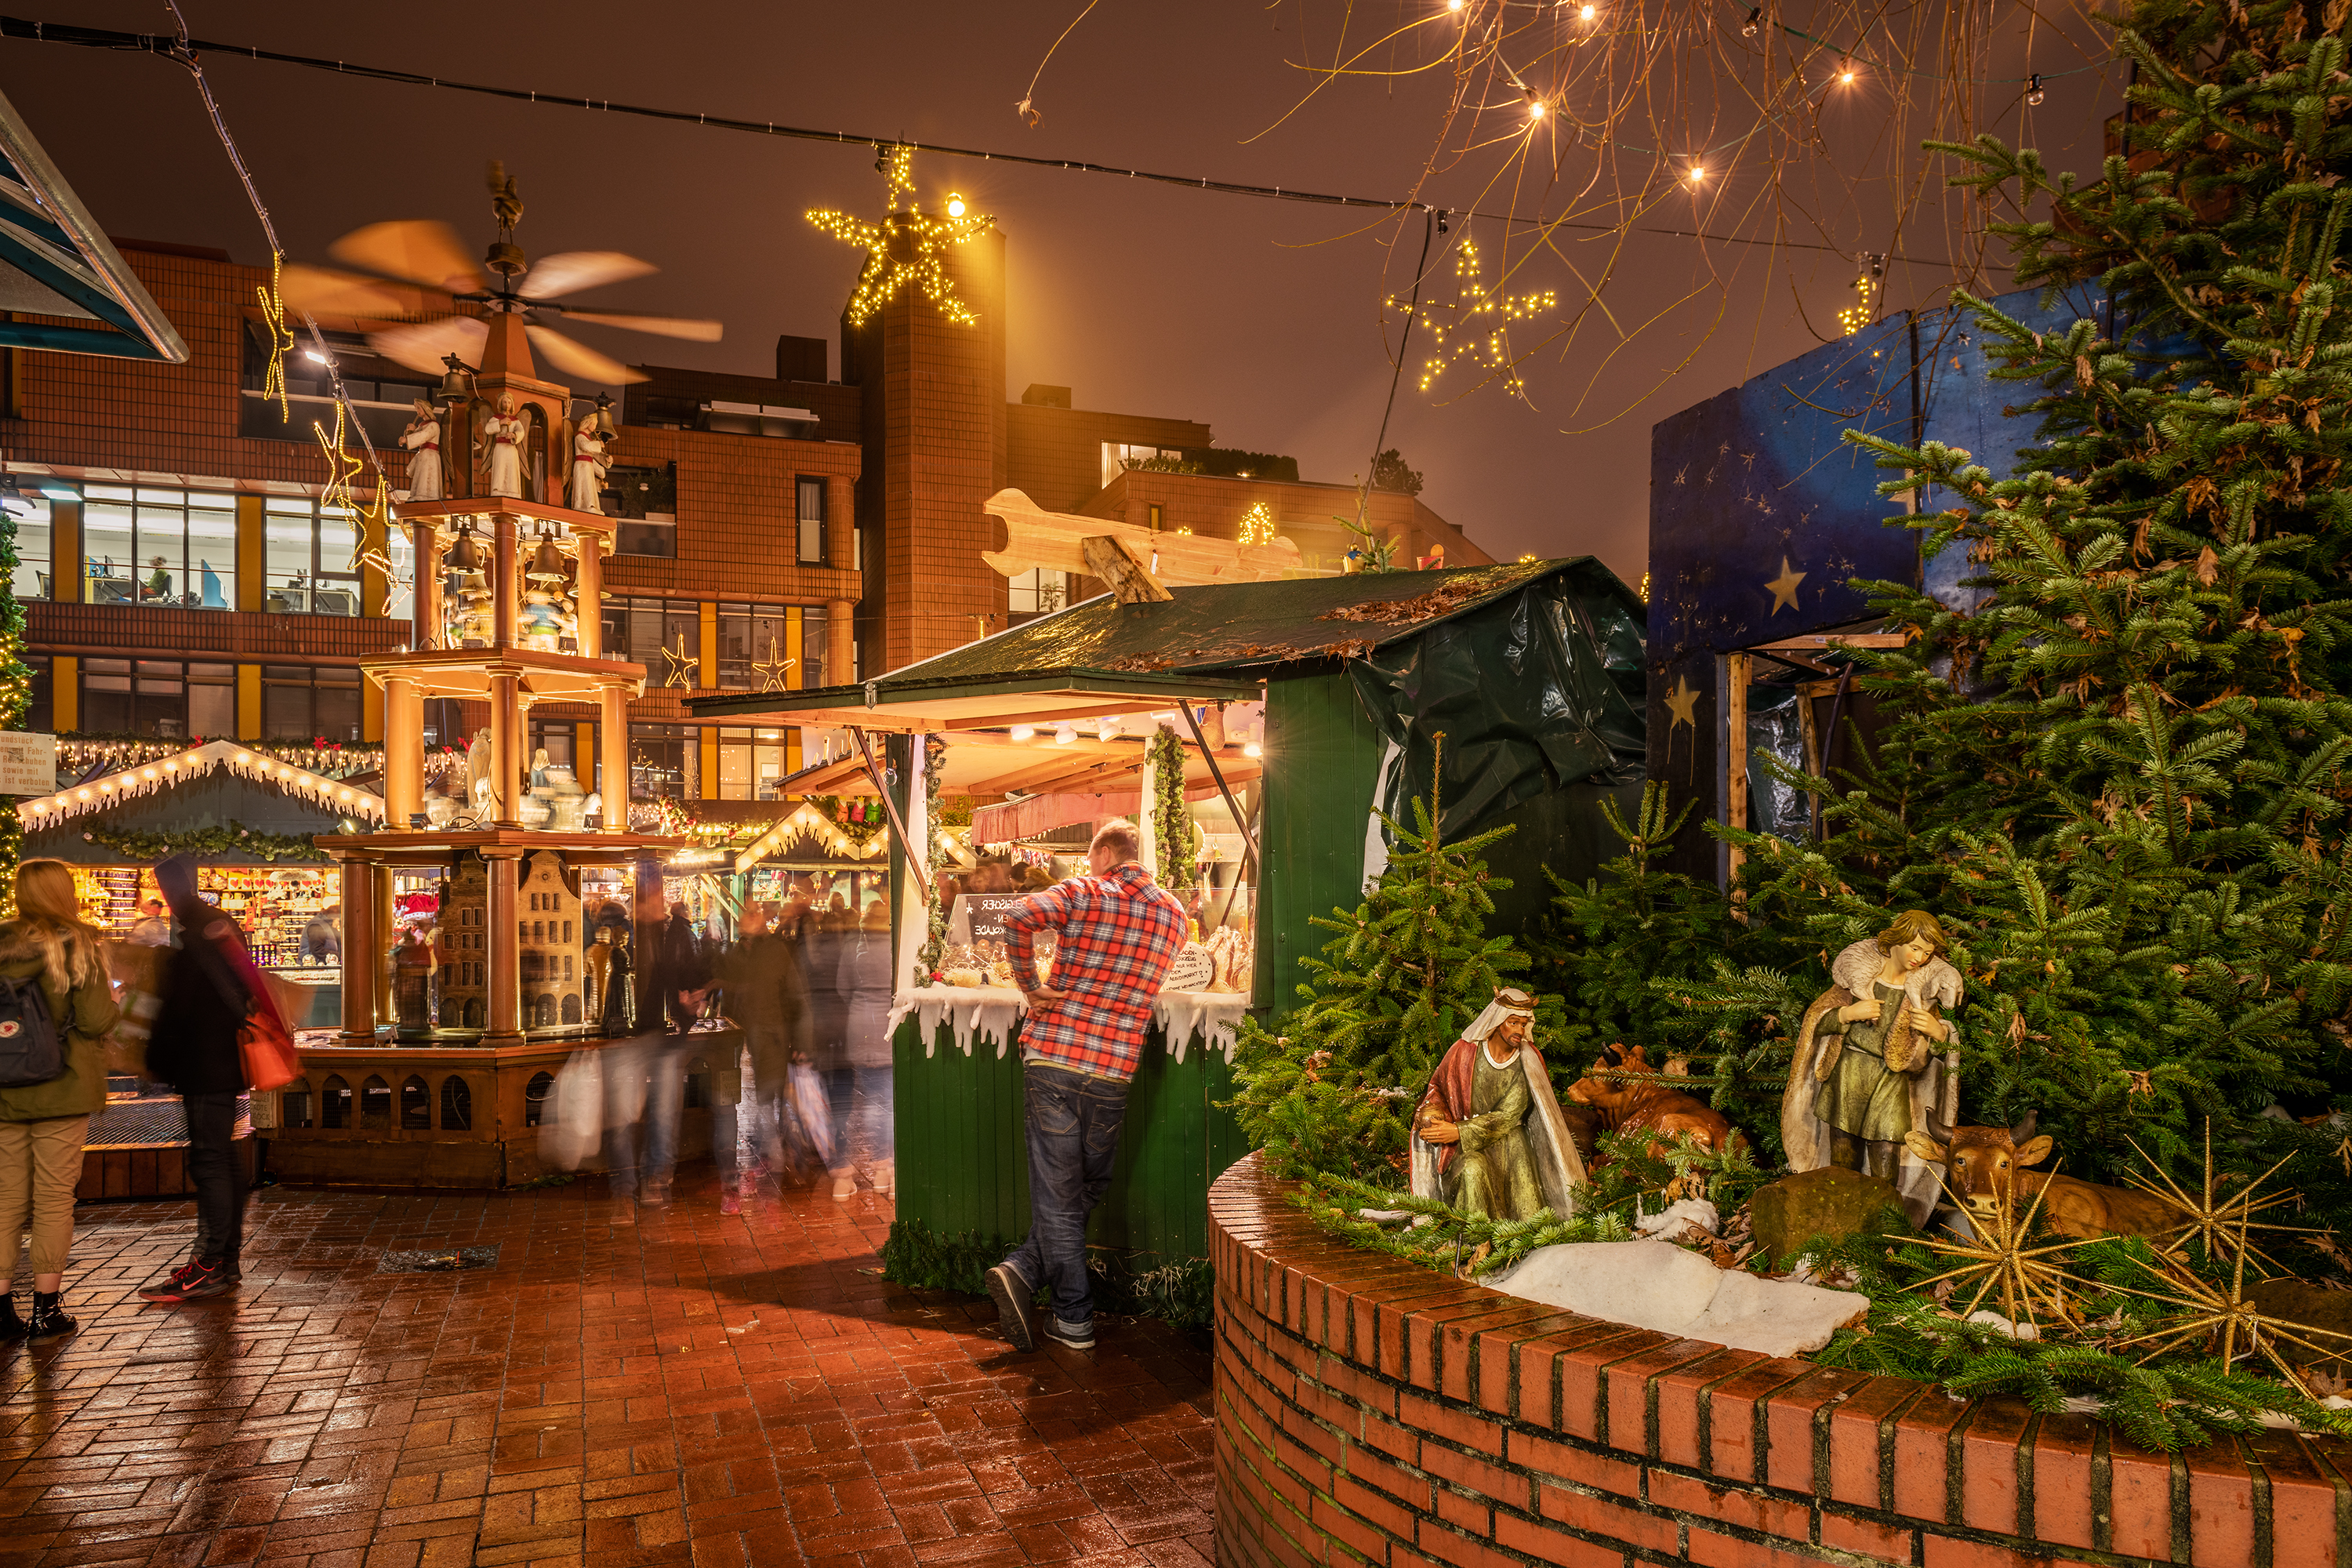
(981, 765)
(56, 261)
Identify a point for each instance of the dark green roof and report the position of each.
(1204, 638)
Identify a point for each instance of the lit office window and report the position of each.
(31, 578)
(310, 558)
(147, 546)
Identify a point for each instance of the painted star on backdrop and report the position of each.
(1784, 587)
(1683, 703)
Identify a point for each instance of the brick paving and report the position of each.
(690, 1388)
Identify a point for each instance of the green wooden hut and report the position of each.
(1532, 670)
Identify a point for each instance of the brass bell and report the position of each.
(547, 561)
(465, 550)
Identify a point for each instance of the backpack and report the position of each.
(30, 1049)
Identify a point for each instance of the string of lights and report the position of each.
(148, 43)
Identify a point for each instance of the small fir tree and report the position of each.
(1329, 1088)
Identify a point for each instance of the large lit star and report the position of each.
(1477, 325)
(1683, 703)
(1784, 587)
(771, 669)
(905, 247)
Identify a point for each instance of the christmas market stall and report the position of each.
(1253, 729)
(251, 818)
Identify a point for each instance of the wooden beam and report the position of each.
(1109, 558)
(1814, 642)
(1735, 753)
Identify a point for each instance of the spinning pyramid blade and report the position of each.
(420, 346)
(578, 358)
(570, 271)
(699, 331)
(416, 249)
(329, 292)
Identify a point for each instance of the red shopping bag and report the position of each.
(265, 1043)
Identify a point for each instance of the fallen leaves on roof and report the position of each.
(1453, 594)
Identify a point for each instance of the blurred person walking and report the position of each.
(758, 976)
(863, 979)
(672, 981)
(55, 962)
(211, 989)
(1118, 933)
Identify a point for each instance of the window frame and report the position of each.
(811, 551)
(143, 500)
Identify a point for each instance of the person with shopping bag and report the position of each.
(211, 991)
(56, 1007)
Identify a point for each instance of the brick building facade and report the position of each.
(181, 577)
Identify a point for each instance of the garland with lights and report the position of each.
(16, 697)
(82, 750)
(204, 843)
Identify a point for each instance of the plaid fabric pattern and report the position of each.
(1116, 938)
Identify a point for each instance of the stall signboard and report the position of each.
(980, 917)
(29, 763)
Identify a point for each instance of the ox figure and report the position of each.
(1648, 1104)
(1868, 1070)
(1985, 1167)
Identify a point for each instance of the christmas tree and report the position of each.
(2119, 779)
(1411, 965)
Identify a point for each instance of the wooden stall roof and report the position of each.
(1208, 644)
(989, 765)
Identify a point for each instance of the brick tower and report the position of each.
(934, 438)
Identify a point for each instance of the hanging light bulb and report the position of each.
(1064, 734)
(1535, 105)
(2033, 93)
(1697, 173)
(1845, 73)
(955, 205)
(1747, 29)
(1106, 730)
(1588, 13)
(1454, 5)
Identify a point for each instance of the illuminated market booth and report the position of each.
(1251, 729)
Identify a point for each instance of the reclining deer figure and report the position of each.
(1986, 1167)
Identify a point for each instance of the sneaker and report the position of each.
(654, 1196)
(1015, 1312)
(844, 1187)
(206, 1279)
(749, 1187)
(1078, 1338)
(883, 1176)
(730, 1203)
(168, 1287)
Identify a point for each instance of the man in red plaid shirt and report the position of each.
(1118, 933)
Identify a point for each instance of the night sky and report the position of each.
(1260, 318)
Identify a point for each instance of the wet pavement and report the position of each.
(690, 1388)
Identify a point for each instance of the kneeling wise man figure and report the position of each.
(1117, 934)
(1488, 1138)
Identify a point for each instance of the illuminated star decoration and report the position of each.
(1257, 524)
(281, 339)
(1683, 703)
(1476, 325)
(1784, 587)
(343, 465)
(681, 665)
(1856, 316)
(771, 669)
(907, 247)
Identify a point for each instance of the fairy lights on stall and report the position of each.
(154, 777)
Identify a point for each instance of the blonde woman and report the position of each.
(41, 1124)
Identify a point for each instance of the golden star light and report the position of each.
(1476, 325)
(905, 247)
(281, 338)
(771, 669)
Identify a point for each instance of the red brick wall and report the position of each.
(739, 518)
(1368, 1410)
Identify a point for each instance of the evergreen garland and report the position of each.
(15, 697)
(135, 844)
(1176, 836)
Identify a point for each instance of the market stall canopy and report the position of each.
(1211, 643)
(335, 796)
(988, 764)
(1055, 541)
(56, 261)
(223, 803)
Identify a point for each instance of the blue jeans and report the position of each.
(212, 1167)
(1074, 1122)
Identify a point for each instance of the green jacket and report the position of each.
(83, 1013)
